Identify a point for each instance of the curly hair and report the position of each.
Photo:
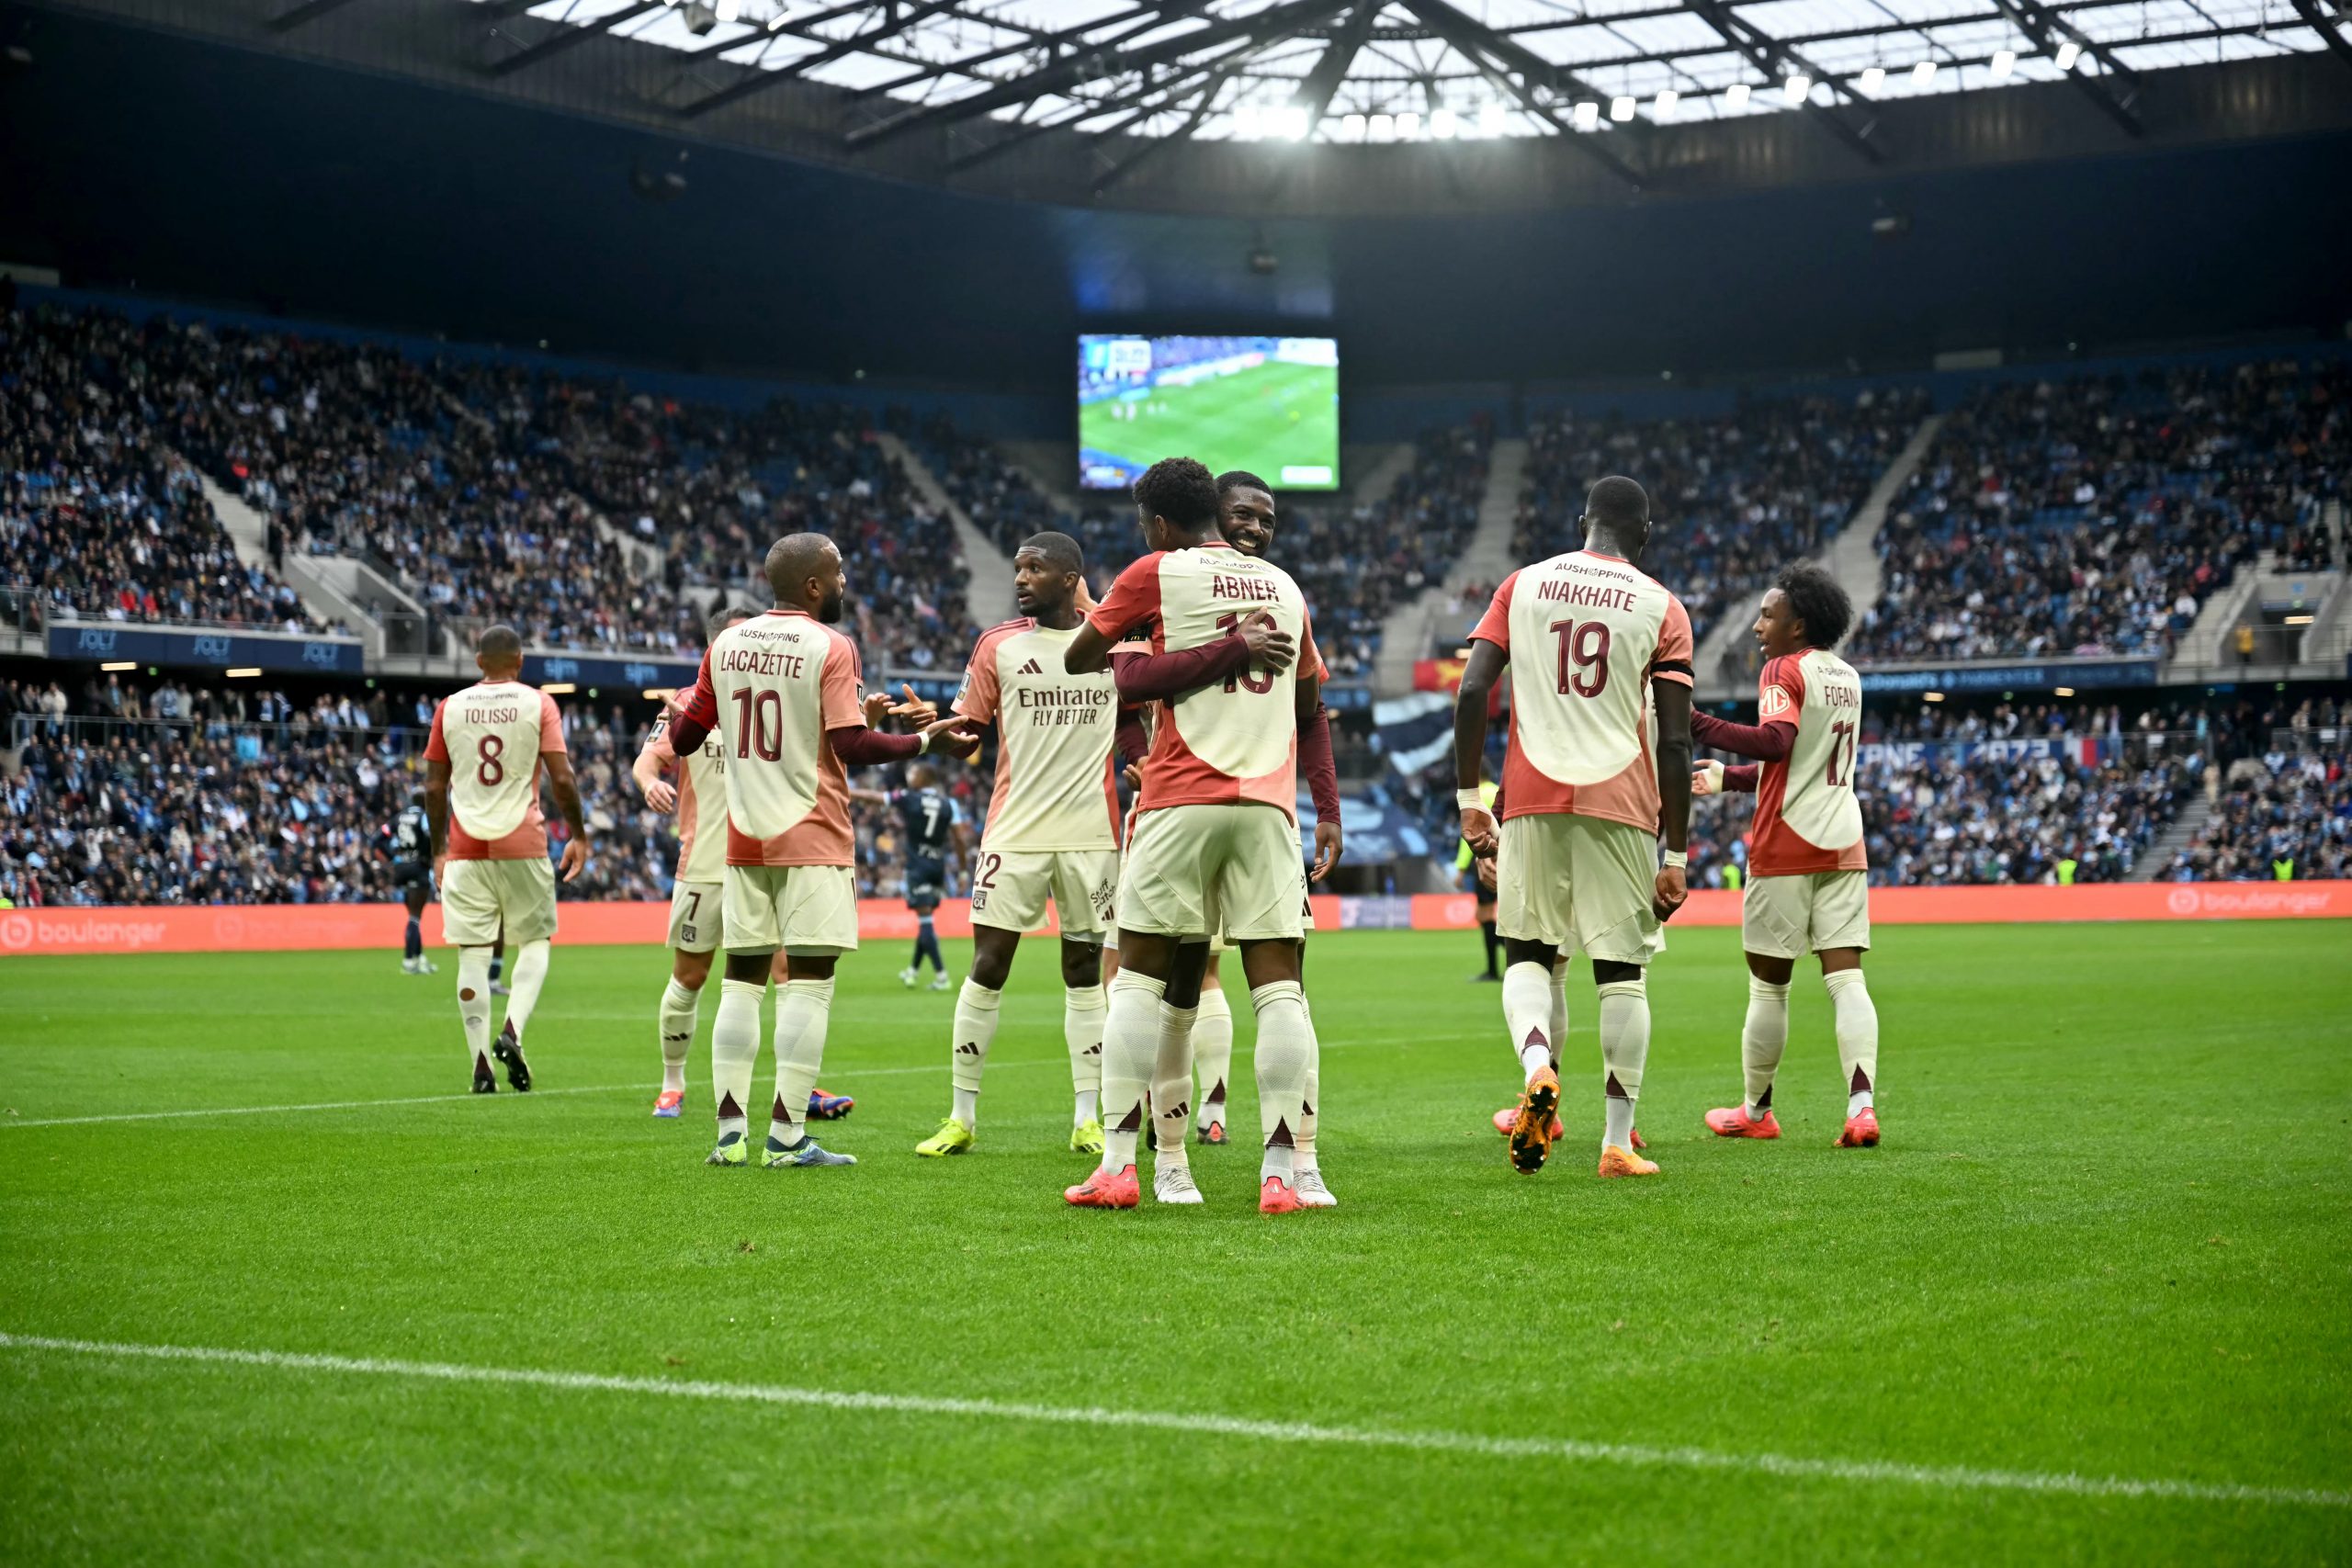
(1816, 598)
(1180, 490)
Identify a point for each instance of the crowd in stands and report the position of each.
(140, 792)
(99, 517)
(1734, 497)
(2287, 816)
(588, 515)
(2094, 516)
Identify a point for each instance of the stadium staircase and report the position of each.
(1726, 663)
(2204, 651)
(331, 588)
(2171, 841)
(989, 593)
(1406, 636)
(1051, 467)
(1372, 471)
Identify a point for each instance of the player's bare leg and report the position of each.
(1624, 1051)
(1212, 1053)
(681, 1008)
(1841, 971)
(1083, 1007)
(1285, 1054)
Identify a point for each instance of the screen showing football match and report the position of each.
(1268, 404)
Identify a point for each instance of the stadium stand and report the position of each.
(2093, 516)
(2284, 817)
(99, 517)
(1735, 497)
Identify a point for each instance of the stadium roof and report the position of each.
(1425, 105)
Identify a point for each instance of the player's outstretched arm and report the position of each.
(1478, 677)
(1089, 652)
(1673, 700)
(1767, 742)
(565, 786)
(654, 759)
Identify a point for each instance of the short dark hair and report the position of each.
(1241, 478)
(1180, 489)
(724, 616)
(1618, 501)
(1061, 551)
(1818, 600)
(500, 642)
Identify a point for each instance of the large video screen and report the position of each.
(1268, 404)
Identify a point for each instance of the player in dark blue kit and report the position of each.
(927, 820)
(407, 843)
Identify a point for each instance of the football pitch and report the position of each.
(1257, 419)
(2092, 1299)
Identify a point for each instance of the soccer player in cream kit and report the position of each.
(1586, 798)
(1216, 844)
(782, 691)
(1808, 875)
(488, 746)
(1052, 833)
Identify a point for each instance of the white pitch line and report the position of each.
(1635, 1456)
(273, 1110)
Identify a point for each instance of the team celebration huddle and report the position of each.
(1196, 678)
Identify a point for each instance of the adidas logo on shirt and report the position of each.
(1030, 668)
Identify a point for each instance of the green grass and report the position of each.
(1242, 420)
(2108, 1235)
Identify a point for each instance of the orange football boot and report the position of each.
(1862, 1130)
(1536, 1122)
(1275, 1197)
(1733, 1122)
(668, 1102)
(1105, 1189)
(1507, 1118)
(1616, 1161)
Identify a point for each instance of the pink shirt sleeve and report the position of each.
(978, 699)
(436, 749)
(1494, 624)
(1675, 649)
(839, 692)
(1311, 661)
(1779, 690)
(551, 726)
(1134, 599)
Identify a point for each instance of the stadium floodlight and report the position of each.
(1621, 108)
(1587, 114)
(1923, 74)
(1798, 89)
(1245, 122)
(1353, 127)
(1409, 127)
(2069, 52)
(1735, 96)
(1442, 124)
(1873, 81)
(2003, 61)
(1663, 108)
(1289, 122)
(1490, 120)
(1383, 128)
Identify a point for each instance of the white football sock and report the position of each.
(1212, 1053)
(680, 1008)
(1172, 1084)
(803, 1007)
(1286, 1051)
(531, 974)
(474, 1004)
(1559, 1007)
(1857, 1037)
(734, 1050)
(1625, 1050)
(977, 1008)
(1762, 1039)
(1130, 1047)
(1527, 1013)
(1083, 1011)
